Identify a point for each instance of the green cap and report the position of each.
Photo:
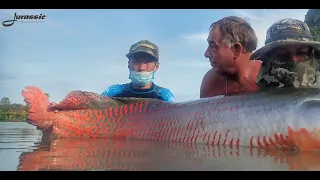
(144, 46)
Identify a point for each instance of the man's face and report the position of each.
(293, 65)
(221, 56)
(141, 62)
(296, 53)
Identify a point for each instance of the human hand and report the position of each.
(53, 104)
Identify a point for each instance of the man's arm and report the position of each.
(207, 84)
(113, 90)
(167, 95)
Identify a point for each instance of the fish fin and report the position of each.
(38, 103)
(80, 100)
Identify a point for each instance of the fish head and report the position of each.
(304, 124)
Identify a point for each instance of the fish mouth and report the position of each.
(304, 127)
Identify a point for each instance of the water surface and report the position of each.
(21, 148)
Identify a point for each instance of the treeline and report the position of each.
(312, 18)
(12, 112)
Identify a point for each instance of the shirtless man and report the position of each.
(231, 42)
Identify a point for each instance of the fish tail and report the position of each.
(37, 107)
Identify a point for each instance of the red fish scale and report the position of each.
(142, 121)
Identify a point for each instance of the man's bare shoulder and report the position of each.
(209, 76)
(210, 84)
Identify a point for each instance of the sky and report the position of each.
(85, 49)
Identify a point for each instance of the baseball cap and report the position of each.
(144, 46)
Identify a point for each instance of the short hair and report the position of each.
(234, 29)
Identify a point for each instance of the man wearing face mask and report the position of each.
(143, 62)
(289, 56)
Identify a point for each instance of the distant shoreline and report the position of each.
(13, 120)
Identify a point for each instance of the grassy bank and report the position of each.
(12, 112)
(11, 116)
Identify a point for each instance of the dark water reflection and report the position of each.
(63, 154)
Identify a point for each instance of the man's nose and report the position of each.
(206, 53)
(295, 57)
(142, 67)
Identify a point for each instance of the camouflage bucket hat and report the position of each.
(284, 32)
(144, 46)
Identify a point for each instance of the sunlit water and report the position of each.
(21, 149)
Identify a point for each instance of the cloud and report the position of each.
(6, 77)
(246, 15)
(264, 19)
(260, 20)
(196, 37)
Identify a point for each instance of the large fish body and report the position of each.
(283, 118)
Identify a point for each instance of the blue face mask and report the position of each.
(141, 78)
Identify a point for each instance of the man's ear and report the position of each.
(317, 54)
(157, 66)
(128, 64)
(238, 48)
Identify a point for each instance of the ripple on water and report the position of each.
(16, 138)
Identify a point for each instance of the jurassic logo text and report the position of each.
(24, 19)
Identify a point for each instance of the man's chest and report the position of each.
(129, 93)
(226, 87)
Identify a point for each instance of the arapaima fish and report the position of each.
(283, 118)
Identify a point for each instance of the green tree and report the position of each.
(312, 19)
(12, 111)
(5, 101)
